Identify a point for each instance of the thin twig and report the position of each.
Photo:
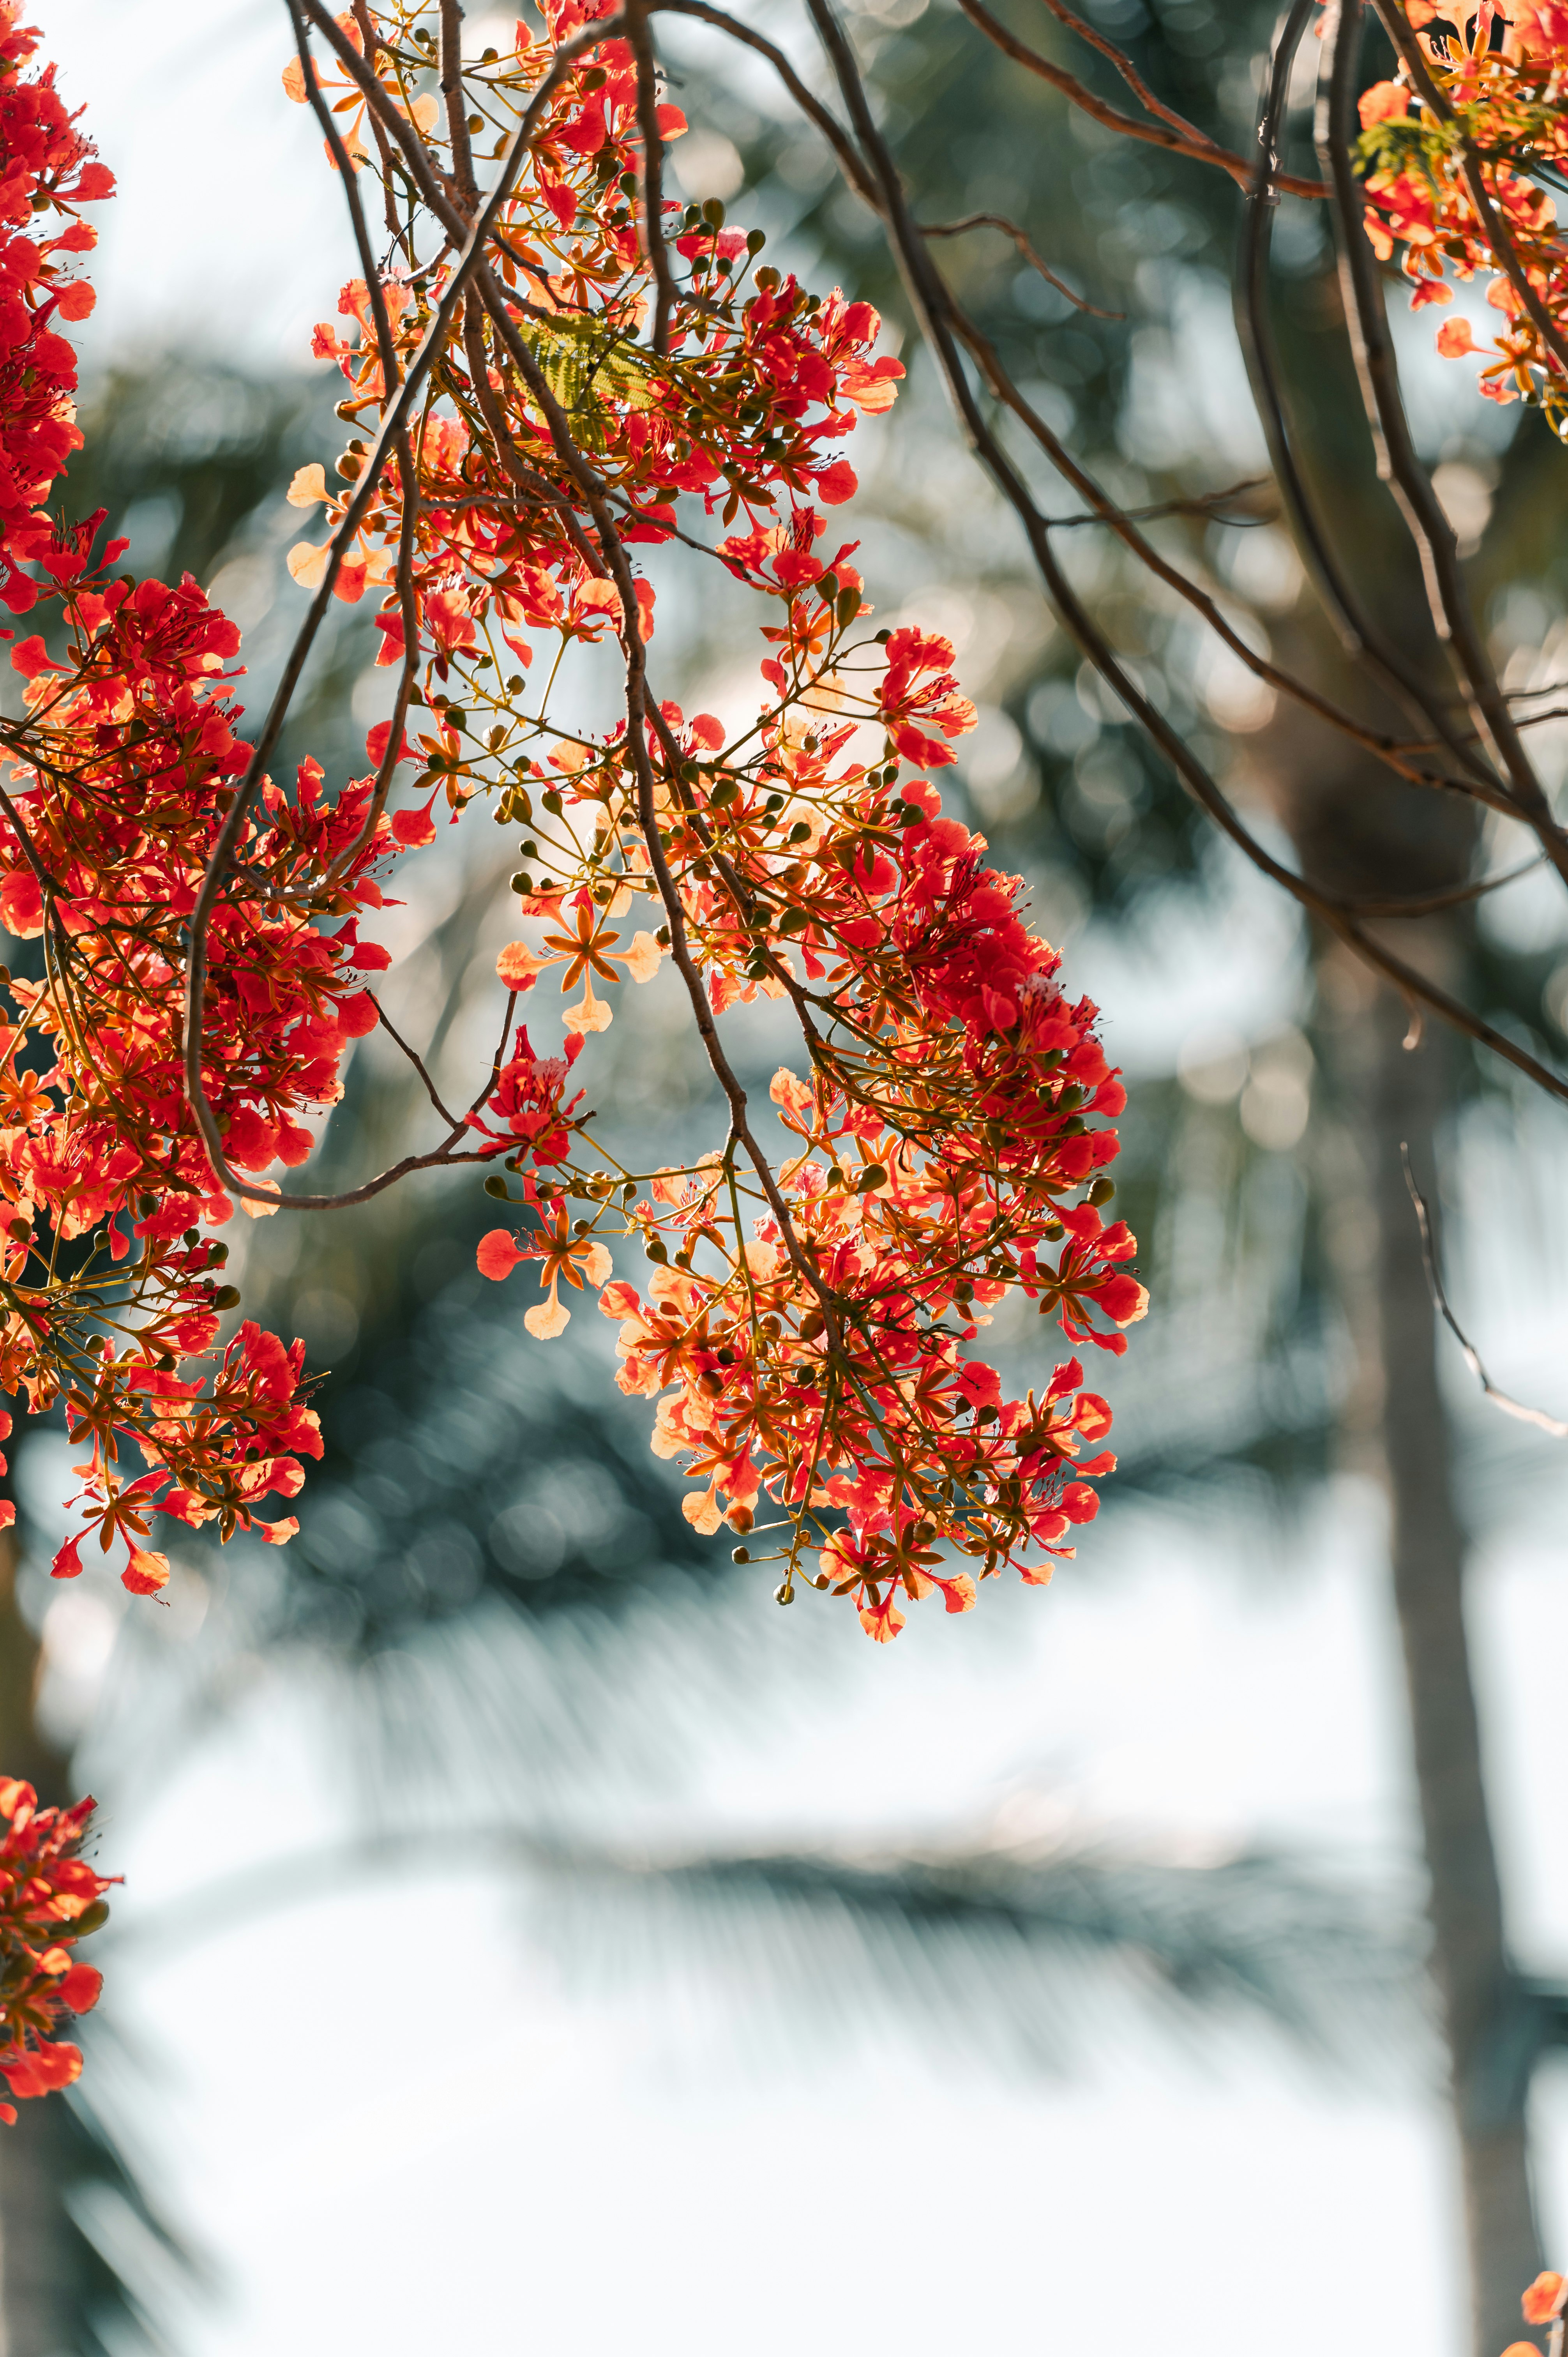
(454, 1121)
(1021, 240)
(1432, 904)
(403, 449)
(811, 106)
(1555, 1426)
(1196, 503)
(641, 709)
(393, 420)
(1120, 521)
(1127, 70)
(1201, 150)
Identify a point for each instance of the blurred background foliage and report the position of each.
(488, 1524)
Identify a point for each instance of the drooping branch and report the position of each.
(1185, 142)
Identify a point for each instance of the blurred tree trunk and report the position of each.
(1394, 1084)
(1486, 2027)
(36, 2252)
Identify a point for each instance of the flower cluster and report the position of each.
(603, 383)
(750, 398)
(49, 1899)
(116, 782)
(1501, 77)
(805, 1326)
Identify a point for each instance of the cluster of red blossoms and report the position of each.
(590, 370)
(115, 783)
(810, 1300)
(804, 1327)
(48, 1900)
(1500, 80)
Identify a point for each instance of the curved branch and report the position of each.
(811, 106)
(1175, 143)
(1551, 1424)
(1129, 72)
(931, 308)
(1356, 630)
(1020, 239)
(386, 343)
(1398, 462)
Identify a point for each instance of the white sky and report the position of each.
(536, 2168)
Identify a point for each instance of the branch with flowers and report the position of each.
(550, 380)
(551, 372)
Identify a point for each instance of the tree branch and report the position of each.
(1191, 143)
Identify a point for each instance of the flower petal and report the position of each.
(550, 1317)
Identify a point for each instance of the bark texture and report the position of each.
(1355, 829)
(1490, 2030)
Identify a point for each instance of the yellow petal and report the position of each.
(597, 1265)
(517, 962)
(643, 958)
(309, 485)
(308, 564)
(590, 1014)
(550, 1319)
(294, 82)
(422, 114)
(703, 1511)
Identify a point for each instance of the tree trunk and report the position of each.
(1488, 2029)
(1358, 833)
(37, 2243)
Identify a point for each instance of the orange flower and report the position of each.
(1544, 2300)
(344, 97)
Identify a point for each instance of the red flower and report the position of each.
(48, 1900)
